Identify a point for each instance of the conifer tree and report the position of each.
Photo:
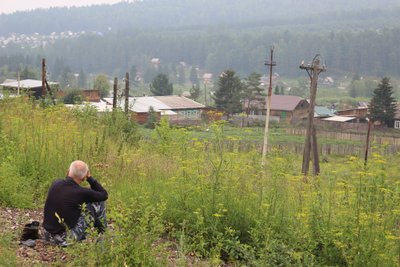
(276, 92)
(228, 94)
(195, 92)
(252, 90)
(161, 86)
(193, 76)
(383, 105)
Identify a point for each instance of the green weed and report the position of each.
(178, 191)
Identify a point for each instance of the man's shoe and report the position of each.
(30, 231)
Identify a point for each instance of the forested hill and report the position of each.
(158, 14)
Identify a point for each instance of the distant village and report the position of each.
(36, 40)
(180, 109)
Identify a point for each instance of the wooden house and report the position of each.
(175, 108)
(360, 113)
(284, 108)
(184, 107)
(396, 123)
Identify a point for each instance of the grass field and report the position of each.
(172, 189)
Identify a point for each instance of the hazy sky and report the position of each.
(9, 6)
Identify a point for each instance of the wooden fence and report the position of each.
(361, 137)
(293, 147)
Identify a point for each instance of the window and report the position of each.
(397, 124)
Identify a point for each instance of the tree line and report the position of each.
(159, 14)
(366, 52)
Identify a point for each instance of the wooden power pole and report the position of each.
(270, 63)
(313, 70)
(370, 124)
(127, 93)
(115, 93)
(45, 84)
(43, 77)
(205, 93)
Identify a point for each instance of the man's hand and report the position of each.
(87, 174)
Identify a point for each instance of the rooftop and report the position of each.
(179, 102)
(323, 112)
(159, 103)
(285, 102)
(28, 83)
(339, 118)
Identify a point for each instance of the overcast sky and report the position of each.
(9, 6)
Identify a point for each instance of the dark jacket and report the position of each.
(65, 197)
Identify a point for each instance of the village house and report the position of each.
(284, 108)
(396, 123)
(185, 108)
(177, 109)
(360, 113)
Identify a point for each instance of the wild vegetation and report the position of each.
(179, 192)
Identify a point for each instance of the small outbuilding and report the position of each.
(28, 86)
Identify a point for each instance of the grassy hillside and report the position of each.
(190, 194)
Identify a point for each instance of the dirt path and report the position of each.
(44, 254)
(13, 221)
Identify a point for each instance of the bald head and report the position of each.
(78, 170)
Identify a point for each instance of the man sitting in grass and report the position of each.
(70, 208)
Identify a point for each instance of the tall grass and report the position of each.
(179, 192)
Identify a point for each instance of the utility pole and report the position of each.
(115, 91)
(205, 93)
(270, 63)
(19, 82)
(45, 84)
(126, 93)
(313, 70)
(370, 123)
(43, 77)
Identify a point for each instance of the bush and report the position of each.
(73, 97)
